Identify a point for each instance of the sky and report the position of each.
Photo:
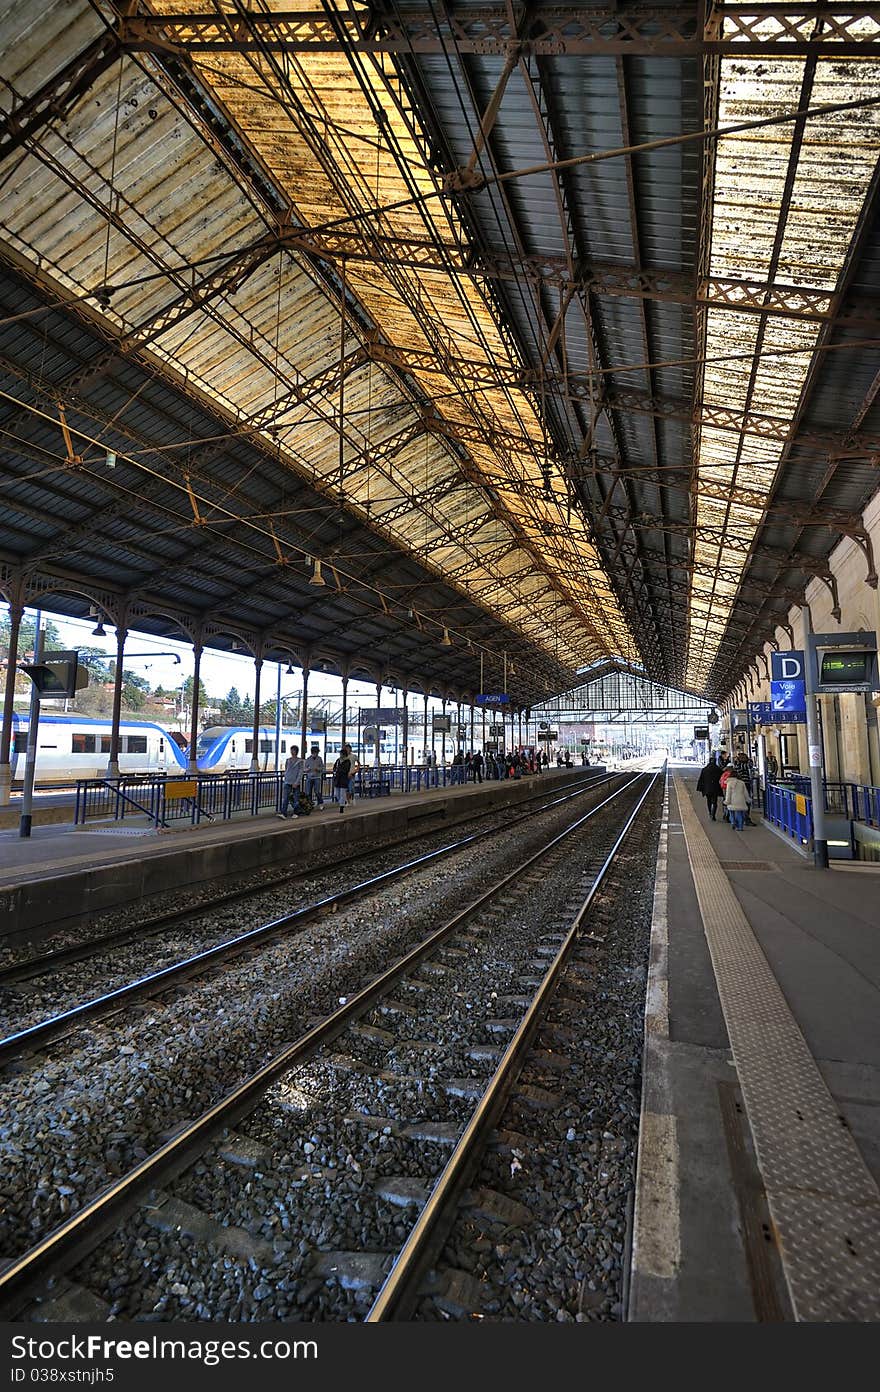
(219, 671)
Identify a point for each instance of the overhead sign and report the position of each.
(492, 698)
(701, 732)
(787, 666)
(496, 729)
(382, 715)
(442, 724)
(761, 712)
(787, 698)
(57, 674)
(548, 735)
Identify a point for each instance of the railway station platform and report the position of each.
(759, 1158)
(64, 873)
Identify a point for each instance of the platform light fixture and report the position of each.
(289, 672)
(317, 578)
(98, 630)
(446, 641)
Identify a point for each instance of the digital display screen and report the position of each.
(701, 732)
(845, 668)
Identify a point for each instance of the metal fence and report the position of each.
(859, 802)
(218, 797)
(790, 811)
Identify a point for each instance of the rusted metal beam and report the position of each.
(672, 32)
(59, 94)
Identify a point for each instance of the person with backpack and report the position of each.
(342, 775)
(293, 777)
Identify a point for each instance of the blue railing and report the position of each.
(859, 802)
(790, 811)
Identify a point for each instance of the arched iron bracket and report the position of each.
(863, 541)
(830, 582)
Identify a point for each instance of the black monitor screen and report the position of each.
(845, 668)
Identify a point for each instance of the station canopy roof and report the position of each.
(439, 342)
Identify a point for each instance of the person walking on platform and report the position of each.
(342, 772)
(709, 784)
(726, 771)
(314, 766)
(736, 800)
(293, 777)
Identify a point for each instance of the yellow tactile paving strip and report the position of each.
(823, 1200)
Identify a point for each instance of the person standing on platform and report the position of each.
(342, 773)
(736, 800)
(726, 773)
(293, 777)
(772, 766)
(477, 766)
(709, 784)
(314, 766)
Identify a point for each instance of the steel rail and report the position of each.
(145, 987)
(400, 1289)
(77, 952)
(69, 1243)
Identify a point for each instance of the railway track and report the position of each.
(440, 990)
(63, 1022)
(28, 968)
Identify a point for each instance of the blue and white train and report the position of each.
(229, 748)
(224, 748)
(72, 746)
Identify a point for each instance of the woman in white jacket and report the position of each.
(736, 800)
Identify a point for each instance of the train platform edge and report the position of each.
(759, 1156)
(66, 873)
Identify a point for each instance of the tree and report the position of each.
(188, 692)
(231, 707)
(27, 634)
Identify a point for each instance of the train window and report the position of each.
(136, 744)
(20, 745)
(284, 746)
(249, 746)
(266, 746)
(83, 744)
(105, 744)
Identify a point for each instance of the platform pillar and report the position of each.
(192, 766)
(255, 753)
(305, 713)
(113, 761)
(16, 610)
(817, 763)
(344, 708)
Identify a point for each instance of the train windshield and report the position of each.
(206, 739)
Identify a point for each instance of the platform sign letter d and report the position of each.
(787, 666)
